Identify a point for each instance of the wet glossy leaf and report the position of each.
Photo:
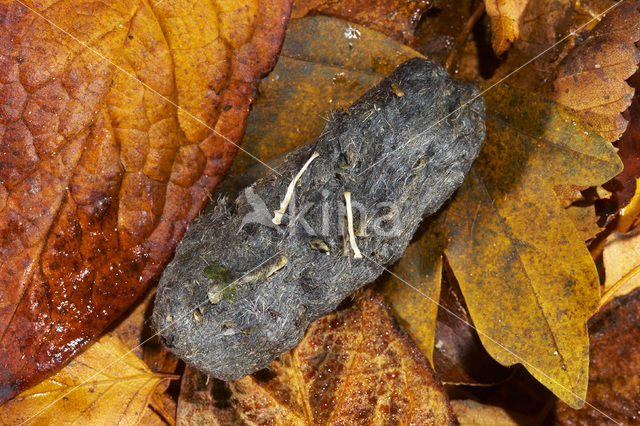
(354, 366)
(101, 173)
(106, 384)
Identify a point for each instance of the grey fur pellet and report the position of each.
(401, 151)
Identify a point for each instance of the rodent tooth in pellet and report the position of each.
(242, 290)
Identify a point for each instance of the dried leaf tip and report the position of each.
(278, 214)
(352, 236)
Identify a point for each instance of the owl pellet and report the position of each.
(250, 276)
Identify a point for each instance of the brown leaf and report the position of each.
(354, 366)
(395, 18)
(439, 28)
(544, 23)
(591, 78)
(106, 384)
(625, 185)
(101, 173)
(506, 20)
(614, 370)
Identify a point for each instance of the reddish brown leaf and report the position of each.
(354, 366)
(591, 78)
(100, 172)
(624, 185)
(439, 28)
(614, 369)
(395, 18)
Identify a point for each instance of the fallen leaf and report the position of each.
(395, 18)
(522, 267)
(430, 307)
(162, 410)
(614, 370)
(528, 280)
(337, 70)
(421, 265)
(101, 173)
(459, 357)
(621, 259)
(624, 186)
(135, 332)
(545, 23)
(106, 384)
(470, 412)
(354, 366)
(506, 20)
(439, 28)
(205, 400)
(591, 78)
(585, 220)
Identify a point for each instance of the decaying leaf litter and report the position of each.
(379, 61)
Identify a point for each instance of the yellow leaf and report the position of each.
(527, 276)
(106, 384)
(421, 266)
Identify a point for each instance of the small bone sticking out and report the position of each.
(352, 237)
(278, 214)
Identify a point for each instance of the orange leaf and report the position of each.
(506, 20)
(101, 171)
